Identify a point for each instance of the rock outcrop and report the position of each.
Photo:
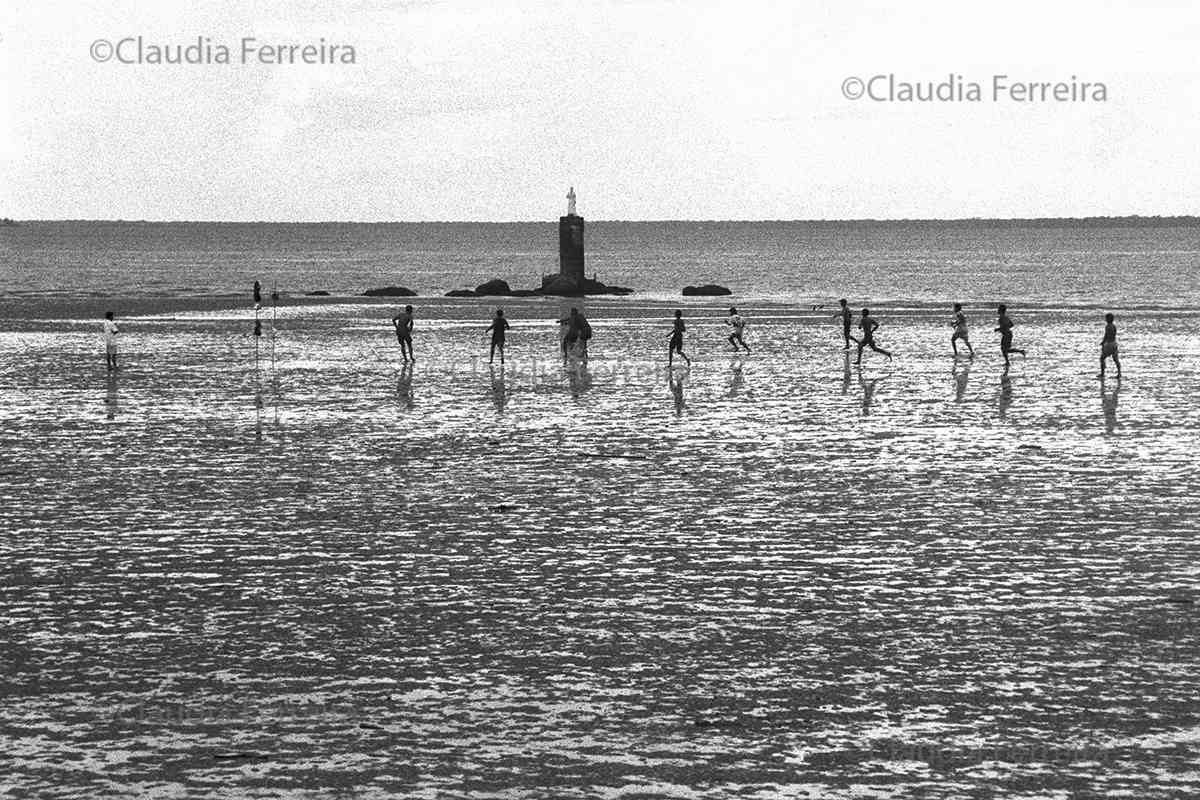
(390, 291)
(707, 290)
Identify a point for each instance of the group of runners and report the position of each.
(576, 332)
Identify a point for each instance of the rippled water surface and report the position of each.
(769, 576)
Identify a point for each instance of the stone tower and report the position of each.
(570, 242)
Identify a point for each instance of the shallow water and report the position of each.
(769, 576)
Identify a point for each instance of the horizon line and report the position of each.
(1090, 218)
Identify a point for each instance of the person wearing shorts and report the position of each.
(868, 327)
(960, 331)
(1004, 328)
(498, 327)
(404, 328)
(676, 345)
(1108, 345)
(110, 341)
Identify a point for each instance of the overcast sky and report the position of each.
(652, 110)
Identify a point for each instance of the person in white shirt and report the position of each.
(738, 324)
(110, 341)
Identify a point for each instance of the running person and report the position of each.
(847, 317)
(404, 328)
(1006, 335)
(868, 327)
(676, 345)
(960, 331)
(498, 327)
(1108, 345)
(738, 324)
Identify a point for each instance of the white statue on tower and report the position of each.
(571, 202)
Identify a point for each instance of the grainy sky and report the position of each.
(652, 110)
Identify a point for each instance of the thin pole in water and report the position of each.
(274, 308)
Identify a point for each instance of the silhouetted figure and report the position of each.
(585, 336)
(1108, 345)
(847, 318)
(404, 328)
(960, 383)
(738, 324)
(868, 326)
(1108, 401)
(1005, 328)
(498, 327)
(676, 344)
(959, 323)
(110, 341)
(499, 390)
(575, 331)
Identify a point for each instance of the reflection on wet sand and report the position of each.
(476, 598)
(110, 396)
(499, 390)
(579, 378)
(960, 382)
(1006, 396)
(846, 373)
(737, 378)
(404, 386)
(1108, 401)
(868, 390)
(258, 409)
(676, 379)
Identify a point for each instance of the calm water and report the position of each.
(770, 576)
(1042, 263)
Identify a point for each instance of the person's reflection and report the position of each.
(868, 390)
(737, 378)
(110, 396)
(499, 390)
(258, 409)
(676, 382)
(846, 374)
(579, 378)
(1108, 401)
(404, 385)
(1005, 393)
(960, 382)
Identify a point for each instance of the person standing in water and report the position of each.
(738, 324)
(1108, 345)
(110, 341)
(869, 326)
(404, 328)
(569, 329)
(1006, 336)
(960, 331)
(676, 345)
(847, 318)
(498, 327)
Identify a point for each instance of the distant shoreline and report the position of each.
(47, 308)
(1122, 221)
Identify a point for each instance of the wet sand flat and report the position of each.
(775, 575)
